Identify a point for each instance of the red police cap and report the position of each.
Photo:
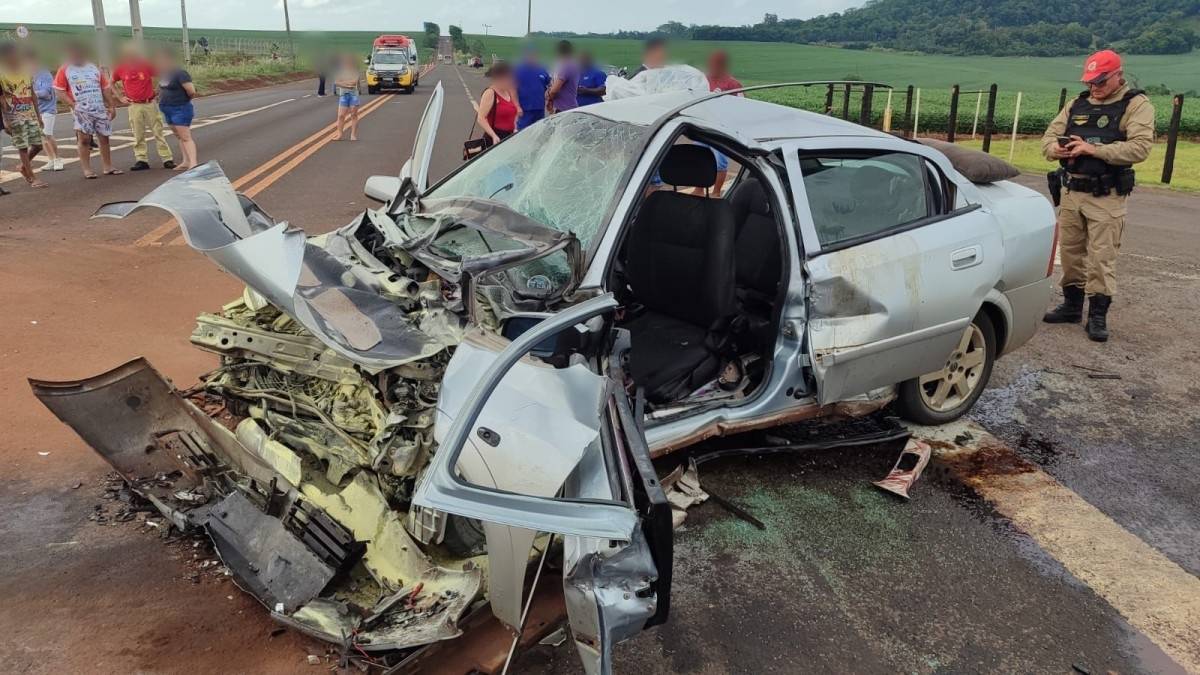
(1100, 64)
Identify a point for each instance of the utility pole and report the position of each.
(529, 20)
(287, 25)
(486, 26)
(102, 42)
(135, 21)
(187, 46)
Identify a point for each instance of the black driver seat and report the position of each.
(680, 267)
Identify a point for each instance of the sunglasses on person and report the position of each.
(1099, 81)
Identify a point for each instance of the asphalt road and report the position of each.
(1068, 540)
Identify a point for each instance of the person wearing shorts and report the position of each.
(175, 94)
(86, 88)
(47, 105)
(345, 86)
(20, 110)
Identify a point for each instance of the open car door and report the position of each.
(538, 435)
(415, 173)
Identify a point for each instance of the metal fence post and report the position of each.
(1062, 99)
(975, 120)
(829, 99)
(846, 103)
(989, 122)
(916, 112)
(1172, 138)
(1012, 148)
(908, 101)
(864, 115)
(952, 122)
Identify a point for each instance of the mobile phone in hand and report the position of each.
(1064, 141)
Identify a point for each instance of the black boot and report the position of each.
(1097, 324)
(1071, 309)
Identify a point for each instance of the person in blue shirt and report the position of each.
(591, 81)
(532, 81)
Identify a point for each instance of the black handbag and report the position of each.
(473, 147)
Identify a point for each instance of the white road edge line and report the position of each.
(6, 176)
(1154, 594)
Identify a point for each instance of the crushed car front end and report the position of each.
(300, 452)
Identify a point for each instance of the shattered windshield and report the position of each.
(562, 172)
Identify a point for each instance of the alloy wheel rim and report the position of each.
(946, 389)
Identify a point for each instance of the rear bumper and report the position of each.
(1028, 304)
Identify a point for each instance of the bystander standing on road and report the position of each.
(175, 94)
(47, 105)
(720, 79)
(1097, 139)
(532, 81)
(591, 80)
(563, 93)
(499, 107)
(345, 87)
(87, 91)
(134, 84)
(654, 55)
(20, 109)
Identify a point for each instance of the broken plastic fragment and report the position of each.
(908, 469)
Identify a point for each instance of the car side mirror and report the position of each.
(367, 61)
(382, 188)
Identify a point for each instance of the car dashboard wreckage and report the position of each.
(349, 358)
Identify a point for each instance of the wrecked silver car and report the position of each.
(409, 409)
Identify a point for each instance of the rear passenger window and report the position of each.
(859, 196)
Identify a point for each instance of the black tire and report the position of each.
(913, 406)
(464, 537)
(372, 90)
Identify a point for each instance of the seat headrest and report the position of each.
(750, 197)
(689, 166)
(870, 181)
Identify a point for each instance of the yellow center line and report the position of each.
(153, 237)
(295, 161)
(1153, 593)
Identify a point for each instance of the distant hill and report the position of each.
(981, 27)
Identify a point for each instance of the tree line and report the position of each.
(974, 27)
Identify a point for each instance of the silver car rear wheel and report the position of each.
(947, 394)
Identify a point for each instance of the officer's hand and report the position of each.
(1059, 152)
(1080, 147)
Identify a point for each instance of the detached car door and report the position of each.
(897, 264)
(537, 435)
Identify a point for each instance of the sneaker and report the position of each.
(169, 164)
(56, 164)
(139, 166)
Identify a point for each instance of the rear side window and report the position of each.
(860, 196)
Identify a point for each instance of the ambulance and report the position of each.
(393, 64)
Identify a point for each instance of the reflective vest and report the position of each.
(1098, 124)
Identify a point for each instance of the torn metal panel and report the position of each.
(333, 297)
(608, 594)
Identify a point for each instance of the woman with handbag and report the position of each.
(498, 106)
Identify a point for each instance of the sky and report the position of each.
(506, 17)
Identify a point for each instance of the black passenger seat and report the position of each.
(680, 266)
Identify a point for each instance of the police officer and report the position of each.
(1097, 139)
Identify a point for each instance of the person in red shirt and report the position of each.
(499, 106)
(134, 84)
(719, 79)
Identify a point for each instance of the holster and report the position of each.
(1054, 181)
(1124, 181)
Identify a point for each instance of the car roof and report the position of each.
(747, 117)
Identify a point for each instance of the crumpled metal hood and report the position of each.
(331, 295)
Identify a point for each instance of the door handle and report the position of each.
(966, 257)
